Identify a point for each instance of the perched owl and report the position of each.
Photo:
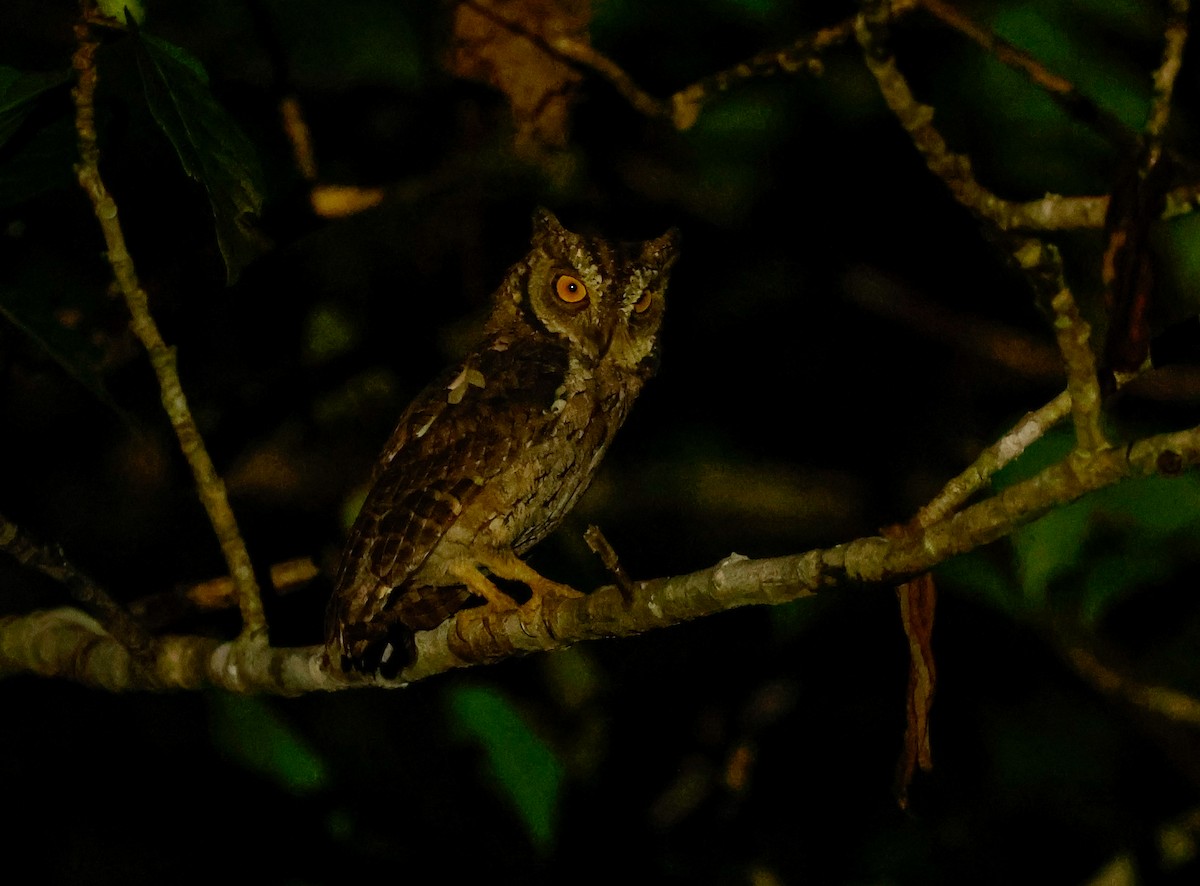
(491, 456)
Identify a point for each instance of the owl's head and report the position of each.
(606, 299)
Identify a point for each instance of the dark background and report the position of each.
(842, 339)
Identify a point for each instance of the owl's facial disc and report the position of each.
(605, 298)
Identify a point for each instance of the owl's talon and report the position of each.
(532, 610)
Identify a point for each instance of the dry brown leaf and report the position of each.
(1127, 268)
(918, 600)
(507, 45)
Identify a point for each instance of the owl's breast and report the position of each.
(543, 475)
(548, 483)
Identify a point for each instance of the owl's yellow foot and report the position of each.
(541, 590)
(509, 566)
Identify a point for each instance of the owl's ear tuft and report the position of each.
(662, 251)
(551, 238)
(546, 224)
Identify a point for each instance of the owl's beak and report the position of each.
(604, 340)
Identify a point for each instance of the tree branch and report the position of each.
(1043, 267)
(67, 643)
(209, 485)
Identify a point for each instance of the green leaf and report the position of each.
(120, 8)
(1051, 548)
(211, 147)
(249, 732)
(526, 769)
(1114, 574)
(19, 91)
(1159, 505)
(1176, 246)
(981, 577)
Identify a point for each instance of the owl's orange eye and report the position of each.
(643, 304)
(570, 289)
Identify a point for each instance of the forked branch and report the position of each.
(66, 643)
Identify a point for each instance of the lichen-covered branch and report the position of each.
(67, 643)
(1051, 212)
(917, 119)
(1043, 267)
(209, 485)
(803, 54)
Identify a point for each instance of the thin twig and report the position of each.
(158, 611)
(584, 55)
(1164, 79)
(1043, 267)
(803, 54)
(52, 562)
(608, 556)
(1059, 88)
(209, 485)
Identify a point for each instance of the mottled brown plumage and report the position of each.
(491, 456)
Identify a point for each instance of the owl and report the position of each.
(492, 455)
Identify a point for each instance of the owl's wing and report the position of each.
(440, 457)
